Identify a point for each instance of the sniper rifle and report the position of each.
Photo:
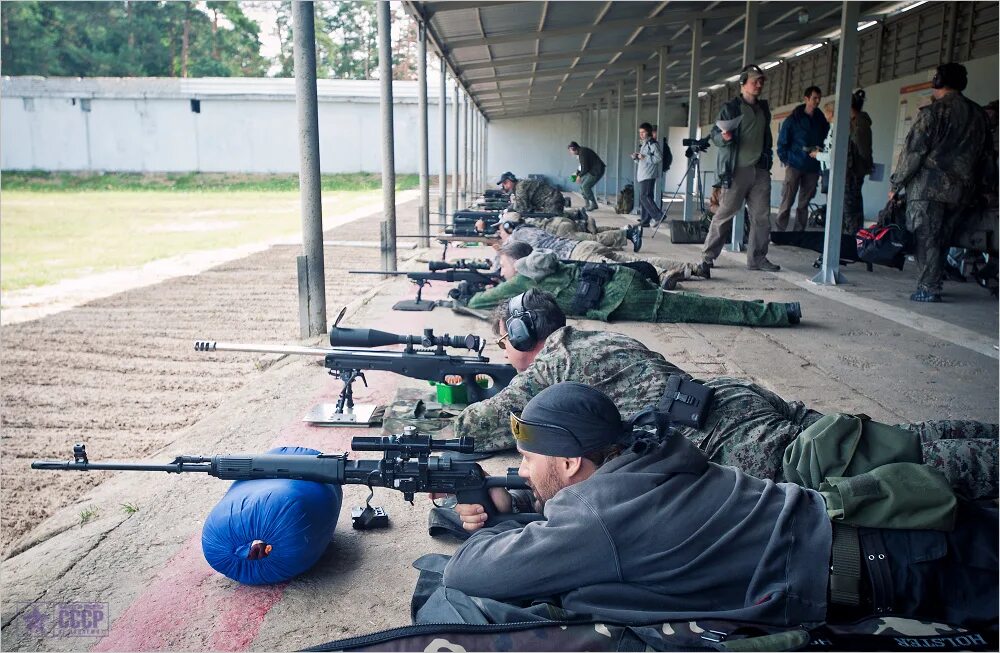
(476, 282)
(406, 466)
(424, 357)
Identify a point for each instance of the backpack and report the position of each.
(626, 200)
(668, 158)
(883, 245)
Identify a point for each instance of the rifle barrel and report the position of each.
(209, 346)
(388, 274)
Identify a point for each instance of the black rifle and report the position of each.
(474, 277)
(406, 466)
(460, 264)
(446, 239)
(423, 358)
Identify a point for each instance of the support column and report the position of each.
(458, 134)
(847, 59)
(661, 87)
(312, 276)
(388, 143)
(618, 140)
(607, 145)
(487, 179)
(749, 57)
(640, 72)
(693, 113)
(425, 182)
(443, 169)
(467, 150)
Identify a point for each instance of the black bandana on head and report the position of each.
(567, 419)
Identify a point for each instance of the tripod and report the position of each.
(694, 165)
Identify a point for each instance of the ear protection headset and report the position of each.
(520, 325)
(745, 73)
(509, 226)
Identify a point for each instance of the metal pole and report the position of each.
(487, 181)
(749, 56)
(312, 288)
(693, 111)
(388, 144)
(618, 139)
(466, 185)
(847, 59)
(425, 182)
(457, 135)
(607, 145)
(443, 170)
(661, 87)
(640, 72)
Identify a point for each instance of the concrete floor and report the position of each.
(862, 347)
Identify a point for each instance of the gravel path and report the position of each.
(121, 373)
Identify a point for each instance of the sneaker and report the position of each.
(704, 270)
(794, 312)
(669, 283)
(709, 263)
(634, 233)
(764, 265)
(925, 296)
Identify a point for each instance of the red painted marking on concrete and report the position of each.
(241, 616)
(187, 590)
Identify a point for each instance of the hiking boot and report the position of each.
(764, 265)
(794, 312)
(669, 282)
(709, 263)
(704, 270)
(592, 207)
(634, 233)
(925, 296)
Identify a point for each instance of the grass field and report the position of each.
(60, 226)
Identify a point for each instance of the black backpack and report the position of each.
(668, 158)
(883, 245)
(626, 200)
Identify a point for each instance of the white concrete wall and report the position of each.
(228, 135)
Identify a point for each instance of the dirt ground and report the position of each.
(121, 373)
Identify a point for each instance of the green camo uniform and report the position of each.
(613, 237)
(946, 161)
(747, 426)
(629, 296)
(536, 196)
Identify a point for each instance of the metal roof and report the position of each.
(526, 58)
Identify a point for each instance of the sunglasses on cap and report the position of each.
(525, 431)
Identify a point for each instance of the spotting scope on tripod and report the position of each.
(695, 147)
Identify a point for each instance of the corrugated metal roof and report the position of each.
(575, 52)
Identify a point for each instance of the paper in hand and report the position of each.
(729, 125)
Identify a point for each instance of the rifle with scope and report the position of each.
(474, 280)
(424, 357)
(406, 466)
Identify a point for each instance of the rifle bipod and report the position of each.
(345, 412)
(417, 304)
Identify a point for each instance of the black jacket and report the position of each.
(727, 151)
(590, 163)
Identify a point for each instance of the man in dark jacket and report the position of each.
(640, 531)
(859, 163)
(744, 171)
(588, 173)
(799, 140)
(946, 163)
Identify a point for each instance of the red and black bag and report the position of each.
(883, 245)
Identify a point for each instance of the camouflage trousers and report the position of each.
(854, 205)
(593, 252)
(932, 224)
(749, 428)
(612, 237)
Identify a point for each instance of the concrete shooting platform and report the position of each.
(861, 347)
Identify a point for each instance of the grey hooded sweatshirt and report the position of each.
(662, 535)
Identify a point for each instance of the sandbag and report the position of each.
(288, 523)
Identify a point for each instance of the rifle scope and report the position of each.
(412, 444)
(341, 337)
(459, 265)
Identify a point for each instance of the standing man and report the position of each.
(649, 169)
(799, 141)
(859, 163)
(588, 173)
(946, 163)
(531, 195)
(744, 171)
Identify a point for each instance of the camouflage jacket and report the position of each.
(947, 156)
(621, 367)
(541, 239)
(536, 196)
